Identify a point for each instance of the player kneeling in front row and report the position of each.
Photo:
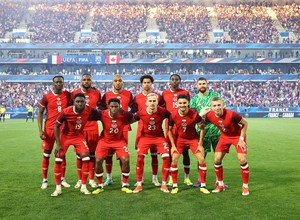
(185, 120)
(113, 122)
(74, 119)
(233, 129)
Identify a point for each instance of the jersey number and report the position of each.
(113, 130)
(151, 127)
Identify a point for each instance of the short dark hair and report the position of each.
(183, 96)
(146, 77)
(79, 95)
(58, 76)
(114, 100)
(175, 74)
(202, 79)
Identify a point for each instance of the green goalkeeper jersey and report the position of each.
(197, 103)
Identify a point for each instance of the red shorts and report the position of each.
(158, 144)
(78, 142)
(120, 147)
(48, 142)
(226, 141)
(125, 135)
(193, 144)
(91, 138)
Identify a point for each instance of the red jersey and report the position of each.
(185, 124)
(170, 98)
(93, 99)
(113, 127)
(152, 123)
(125, 97)
(228, 123)
(139, 102)
(74, 122)
(54, 104)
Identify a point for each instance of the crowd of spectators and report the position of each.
(183, 23)
(11, 15)
(288, 15)
(57, 23)
(54, 21)
(247, 24)
(119, 23)
(236, 94)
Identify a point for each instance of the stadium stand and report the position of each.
(123, 22)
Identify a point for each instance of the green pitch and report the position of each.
(274, 182)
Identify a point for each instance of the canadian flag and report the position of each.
(112, 59)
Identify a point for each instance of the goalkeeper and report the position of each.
(199, 102)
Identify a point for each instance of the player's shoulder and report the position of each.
(195, 97)
(95, 90)
(139, 95)
(191, 110)
(68, 109)
(182, 91)
(162, 110)
(125, 91)
(166, 91)
(108, 94)
(209, 114)
(230, 112)
(74, 92)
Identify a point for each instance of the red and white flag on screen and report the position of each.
(113, 59)
(55, 59)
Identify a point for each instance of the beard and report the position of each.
(87, 86)
(202, 90)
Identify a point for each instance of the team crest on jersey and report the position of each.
(152, 122)
(114, 124)
(58, 101)
(175, 98)
(78, 121)
(183, 124)
(222, 126)
(87, 100)
(118, 97)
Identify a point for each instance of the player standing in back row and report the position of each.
(53, 102)
(170, 98)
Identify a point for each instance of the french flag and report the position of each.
(54, 59)
(112, 59)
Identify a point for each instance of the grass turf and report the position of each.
(274, 181)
